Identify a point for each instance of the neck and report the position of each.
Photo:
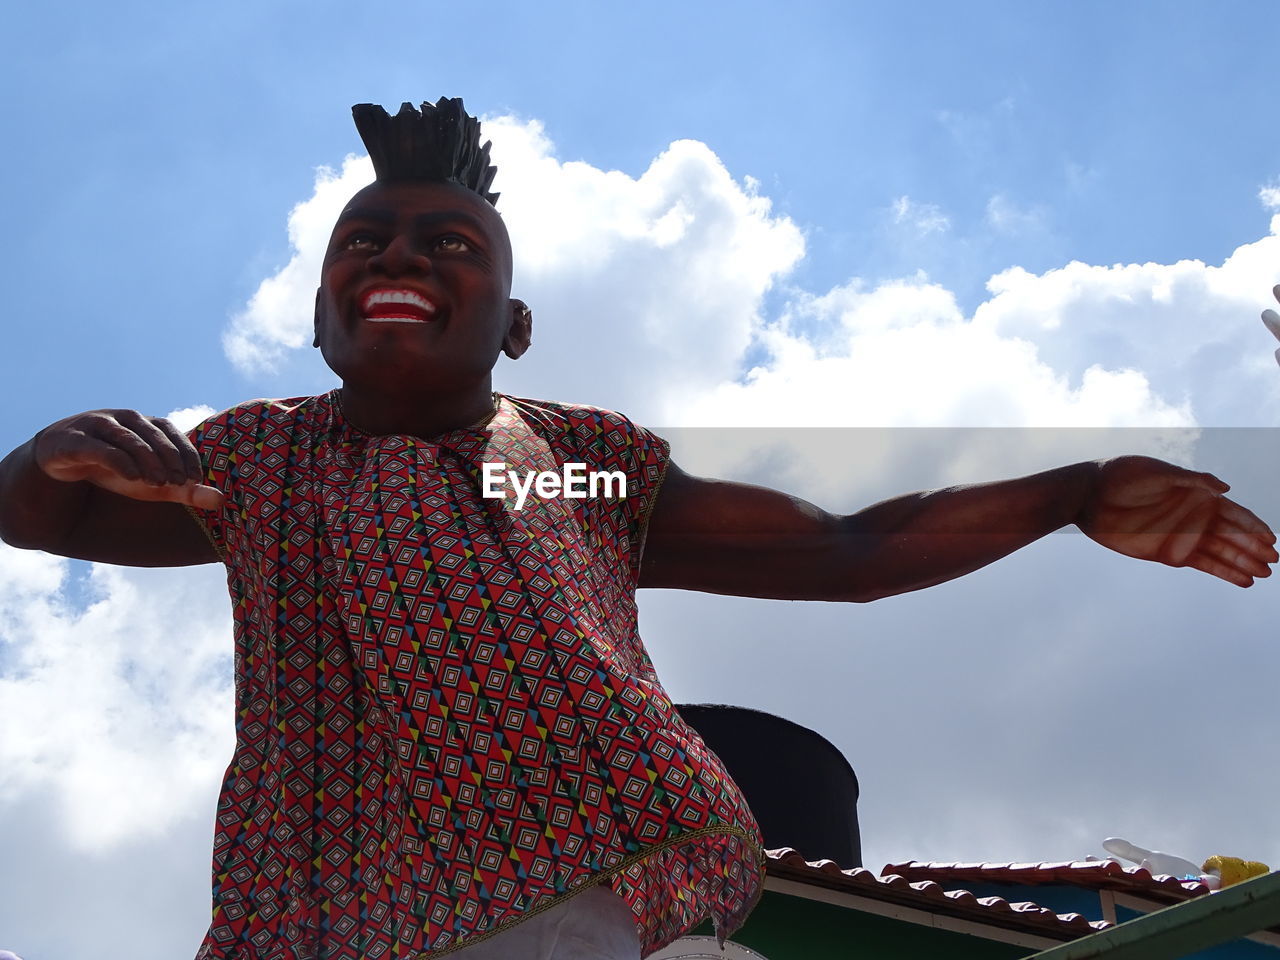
(373, 411)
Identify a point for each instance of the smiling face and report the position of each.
(414, 292)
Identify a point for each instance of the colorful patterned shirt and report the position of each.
(445, 717)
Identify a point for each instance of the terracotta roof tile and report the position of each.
(926, 894)
(1091, 874)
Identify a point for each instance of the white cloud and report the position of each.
(651, 294)
(1270, 197)
(903, 355)
(1189, 329)
(1007, 217)
(278, 317)
(921, 218)
(188, 417)
(665, 271)
(117, 689)
(628, 276)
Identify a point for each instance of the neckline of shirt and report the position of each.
(335, 399)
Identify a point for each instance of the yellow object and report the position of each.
(1233, 869)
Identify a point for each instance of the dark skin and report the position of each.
(412, 312)
(424, 373)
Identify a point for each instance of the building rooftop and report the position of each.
(1091, 874)
(928, 895)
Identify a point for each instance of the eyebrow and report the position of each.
(387, 215)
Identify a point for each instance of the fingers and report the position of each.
(1186, 529)
(88, 440)
(1238, 552)
(146, 458)
(1242, 556)
(192, 468)
(196, 495)
(1203, 481)
(1246, 520)
(152, 447)
(205, 497)
(168, 454)
(1216, 567)
(1250, 544)
(1272, 319)
(1235, 523)
(80, 457)
(192, 494)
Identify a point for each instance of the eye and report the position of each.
(361, 241)
(452, 243)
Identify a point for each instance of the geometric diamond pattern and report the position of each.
(445, 716)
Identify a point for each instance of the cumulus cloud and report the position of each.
(650, 293)
(188, 417)
(626, 275)
(902, 354)
(117, 688)
(1189, 329)
(666, 293)
(636, 281)
(278, 316)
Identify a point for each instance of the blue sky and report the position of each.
(1139, 130)
(827, 214)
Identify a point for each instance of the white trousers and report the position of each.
(596, 924)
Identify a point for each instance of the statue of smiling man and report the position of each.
(449, 736)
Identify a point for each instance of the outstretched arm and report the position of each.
(107, 485)
(733, 538)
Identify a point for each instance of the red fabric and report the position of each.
(445, 716)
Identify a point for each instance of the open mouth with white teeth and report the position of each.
(396, 305)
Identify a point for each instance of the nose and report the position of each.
(398, 257)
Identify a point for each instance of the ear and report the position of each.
(315, 321)
(520, 332)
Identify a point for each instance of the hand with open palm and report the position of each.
(1152, 510)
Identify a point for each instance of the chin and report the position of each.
(408, 377)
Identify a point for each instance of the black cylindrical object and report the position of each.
(801, 789)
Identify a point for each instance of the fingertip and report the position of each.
(1205, 481)
(1216, 483)
(1271, 320)
(206, 498)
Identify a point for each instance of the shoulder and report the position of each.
(578, 418)
(252, 415)
(594, 435)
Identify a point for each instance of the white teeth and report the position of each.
(399, 296)
(393, 320)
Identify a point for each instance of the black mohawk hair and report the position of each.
(440, 143)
